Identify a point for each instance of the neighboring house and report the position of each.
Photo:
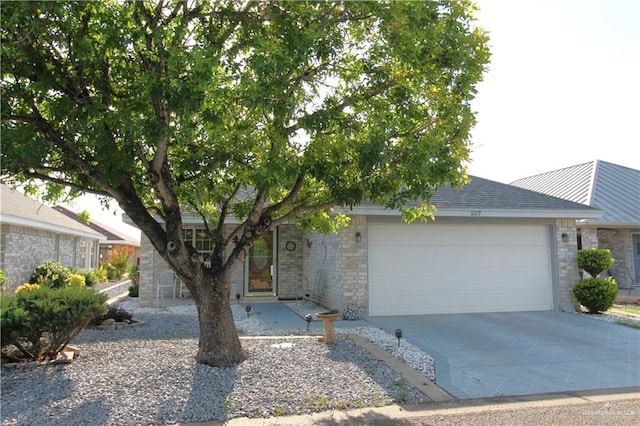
(115, 239)
(492, 248)
(32, 233)
(611, 188)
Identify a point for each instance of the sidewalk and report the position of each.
(599, 407)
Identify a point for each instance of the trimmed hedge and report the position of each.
(596, 294)
(594, 261)
(42, 321)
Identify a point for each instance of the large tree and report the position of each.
(265, 112)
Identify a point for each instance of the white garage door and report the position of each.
(432, 268)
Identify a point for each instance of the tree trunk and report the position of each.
(219, 344)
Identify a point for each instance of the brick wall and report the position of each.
(23, 249)
(335, 265)
(567, 265)
(620, 242)
(289, 261)
(152, 265)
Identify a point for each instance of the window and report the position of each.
(199, 239)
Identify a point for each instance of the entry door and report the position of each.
(259, 267)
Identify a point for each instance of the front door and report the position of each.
(259, 267)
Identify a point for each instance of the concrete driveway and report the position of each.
(496, 354)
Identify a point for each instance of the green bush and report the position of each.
(90, 277)
(134, 290)
(41, 322)
(112, 272)
(101, 273)
(51, 274)
(77, 280)
(594, 261)
(596, 294)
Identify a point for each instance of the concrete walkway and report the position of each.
(498, 354)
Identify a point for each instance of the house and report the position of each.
(32, 233)
(115, 239)
(492, 248)
(611, 188)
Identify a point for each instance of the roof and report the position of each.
(610, 187)
(113, 236)
(487, 198)
(18, 209)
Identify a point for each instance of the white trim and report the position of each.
(372, 210)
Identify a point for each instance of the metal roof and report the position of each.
(18, 209)
(612, 188)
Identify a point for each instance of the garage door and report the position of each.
(431, 268)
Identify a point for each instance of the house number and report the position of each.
(476, 212)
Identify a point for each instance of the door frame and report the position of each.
(274, 271)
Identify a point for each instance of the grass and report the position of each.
(627, 314)
(625, 309)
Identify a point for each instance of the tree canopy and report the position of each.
(267, 112)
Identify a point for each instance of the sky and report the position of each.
(563, 88)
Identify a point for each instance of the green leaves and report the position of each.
(311, 104)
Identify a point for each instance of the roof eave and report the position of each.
(20, 221)
(588, 213)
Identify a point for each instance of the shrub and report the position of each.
(134, 274)
(51, 274)
(3, 279)
(41, 322)
(112, 272)
(119, 259)
(134, 290)
(596, 294)
(594, 261)
(77, 280)
(90, 277)
(26, 287)
(115, 312)
(101, 273)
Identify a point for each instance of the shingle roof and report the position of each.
(17, 208)
(112, 235)
(498, 200)
(610, 187)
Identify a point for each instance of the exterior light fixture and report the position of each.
(398, 335)
(248, 309)
(308, 319)
(207, 261)
(565, 237)
(238, 296)
(358, 237)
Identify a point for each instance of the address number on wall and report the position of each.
(476, 212)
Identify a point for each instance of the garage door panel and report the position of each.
(444, 268)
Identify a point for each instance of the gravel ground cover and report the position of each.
(148, 375)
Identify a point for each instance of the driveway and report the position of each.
(522, 353)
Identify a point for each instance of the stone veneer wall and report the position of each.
(23, 249)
